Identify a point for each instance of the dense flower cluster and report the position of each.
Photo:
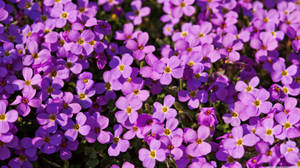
(218, 86)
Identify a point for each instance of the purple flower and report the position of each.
(238, 140)
(128, 108)
(80, 126)
(198, 146)
(165, 111)
(138, 12)
(257, 103)
(63, 13)
(121, 67)
(98, 123)
(288, 122)
(82, 43)
(148, 157)
(241, 86)
(118, 145)
(30, 79)
(45, 142)
(231, 46)
(52, 118)
(127, 34)
(5, 144)
(207, 116)
(25, 102)
(168, 67)
(6, 117)
(36, 57)
(139, 47)
(283, 74)
(183, 7)
(267, 130)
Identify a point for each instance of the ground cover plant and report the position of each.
(149, 83)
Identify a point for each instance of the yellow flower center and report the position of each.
(269, 131)
(191, 63)
(248, 88)
(11, 38)
(64, 15)
(290, 149)
(284, 73)
(199, 141)
(69, 65)
(230, 159)
(27, 83)
(121, 67)
(182, 5)
(35, 55)
(287, 125)
(200, 35)
(85, 80)
(266, 20)
(189, 49)
(80, 41)
(76, 127)
(82, 96)
(234, 114)
(167, 131)
(81, 9)
(152, 154)
(168, 70)
(52, 117)
(136, 92)
(108, 86)
(256, 103)
(239, 142)
(128, 110)
(164, 109)
(53, 74)
(116, 140)
(2, 117)
(183, 34)
(285, 90)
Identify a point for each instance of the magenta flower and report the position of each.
(198, 146)
(52, 118)
(121, 66)
(80, 126)
(82, 43)
(128, 108)
(241, 86)
(98, 123)
(207, 116)
(36, 57)
(127, 34)
(165, 111)
(45, 142)
(30, 79)
(231, 46)
(267, 130)
(139, 47)
(148, 157)
(118, 145)
(183, 7)
(288, 122)
(63, 13)
(283, 74)
(6, 117)
(24, 103)
(257, 103)
(237, 142)
(168, 67)
(138, 12)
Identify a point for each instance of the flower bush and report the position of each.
(149, 83)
